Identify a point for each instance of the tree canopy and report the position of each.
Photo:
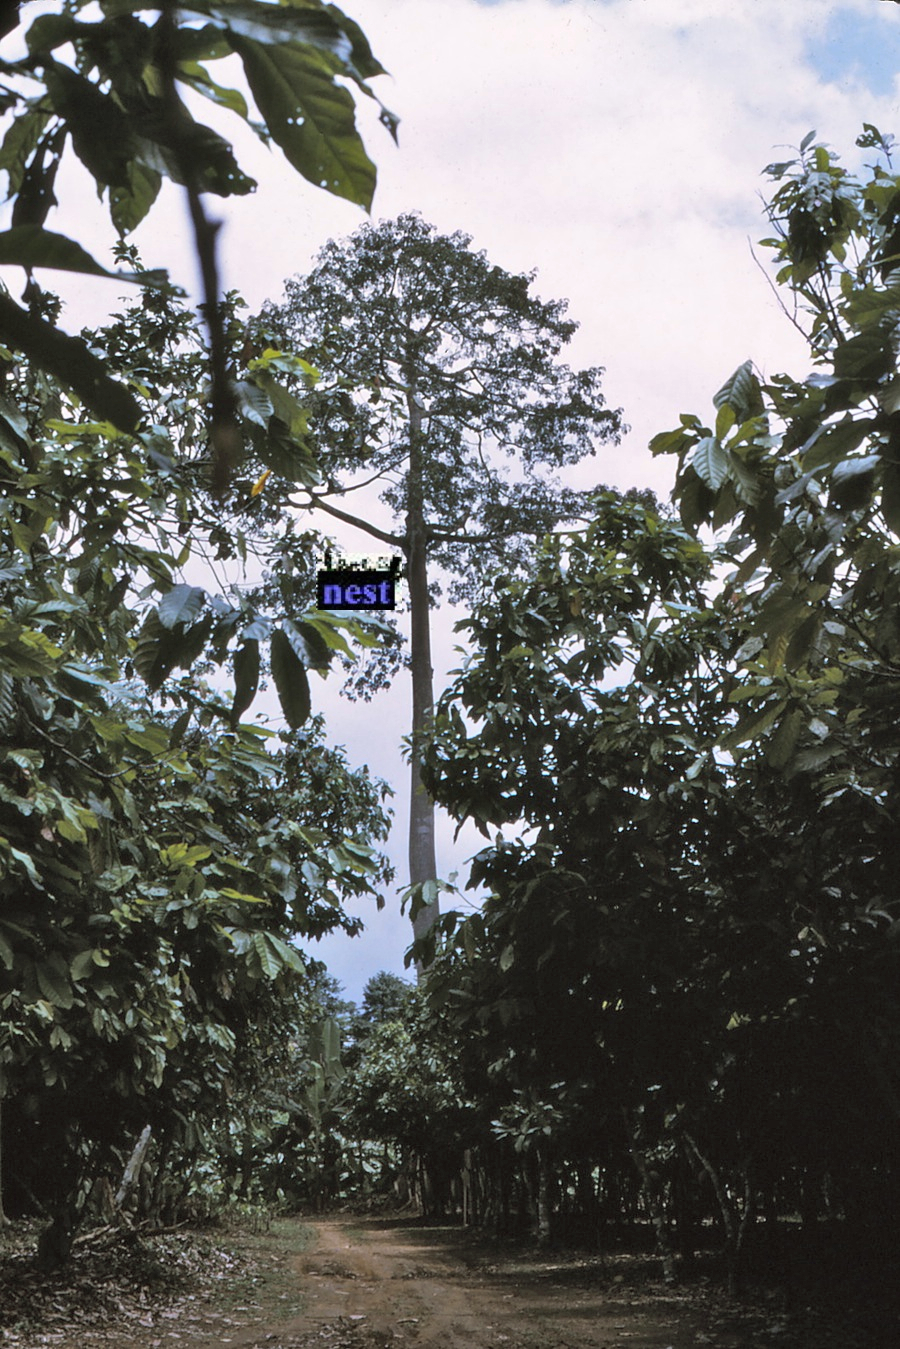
(686, 966)
(158, 855)
(434, 365)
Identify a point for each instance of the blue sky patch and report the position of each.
(852, 48)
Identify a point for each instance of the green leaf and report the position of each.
(100, 132)
(725, 420)
(53, 981)
(183, 148)
(784, 742)
(710, 462)
(82, 965)
(159, 650)
(27, 863)
(254, 402)
(271, 954)
(246, 678)
(317, 654)
(31, 246)
(742, 393)
(867, 356)
(752, 727)
(184, 854)
(19, 144)
(182, 604)
(290, 680)
(192, 73)
(507, 956)
(327, 626)
(855, 468)
(308, 644)
(829, 444)
(242, 896)
(281, 25)
(51, 30)
(311, 118)
(130, 202)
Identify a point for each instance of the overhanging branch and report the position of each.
(319, 503)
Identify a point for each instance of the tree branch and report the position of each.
(319, 503)
(225, 433)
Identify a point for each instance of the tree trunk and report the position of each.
(422, 860)
(133, 1169)
(543, 1199)
(735, 1223)
(4, 1221)
(652, 1191)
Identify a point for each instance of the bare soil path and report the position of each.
(345, 1282)
(367, 1283)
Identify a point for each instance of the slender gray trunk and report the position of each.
(735, 1222)
(650, 1185)
(4, 1221)
(133, 1167)
(543, 1199)
(422, 860)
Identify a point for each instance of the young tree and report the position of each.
(806, 473)
(434, 365)
(156, 856)
(676, 931)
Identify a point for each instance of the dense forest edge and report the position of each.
(673, 1023)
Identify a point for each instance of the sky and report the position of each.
(614, 145)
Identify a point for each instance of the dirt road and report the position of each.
(364, 1284)
(347, 1282)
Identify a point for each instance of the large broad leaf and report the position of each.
(159, 649)
(290, 680)
(311, 117)
(279, 24)
(31, 246)
(855, 468)
(185, 150)
(192, 73)
(829, 443)
(128, 205)
(710, 462)
(101, 135)
(19, 144)
(183, 604)
(285, 455)
(273, 955)
(53, 980)
(742, 393)
(308, 644)
(253, 402)
(868, 356)
(246, 678)
(316, 651)
(52, 30)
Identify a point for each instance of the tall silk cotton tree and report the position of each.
(433, 365)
